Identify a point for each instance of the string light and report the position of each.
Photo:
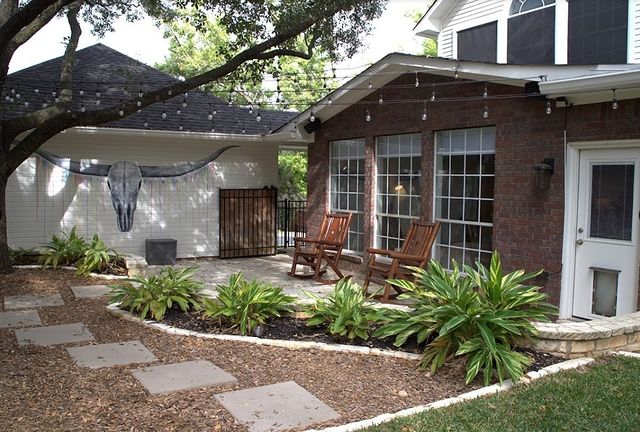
(36, 90)
(312, 117)
(380, 100)
(417, 80)
(258, 117)
(164, 112)
(548, 107)
(485, 92)
(367, 117)
(485, 113)
(230, 101)
(433, 96)
(614, 104)
(184, 102)
(146, 122)
(81, 92)
(140, 93)
(120, 111)
(250, 109)
(455, 73)
(329, 101)
(424, 112)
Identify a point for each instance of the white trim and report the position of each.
(509, 2)
(571, 182)
(632, 55)
(562, 32)
(95, 130)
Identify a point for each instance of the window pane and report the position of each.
(612, 201)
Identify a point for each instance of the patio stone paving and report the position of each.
(29, 301)
(272, 269)
(111, 354)
(90, 291)
(276, 407)
(182, 376)
(27, 318)
(54, 335)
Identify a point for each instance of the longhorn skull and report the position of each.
(125, 179)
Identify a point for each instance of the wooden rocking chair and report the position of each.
(327, 248)
(415, 252)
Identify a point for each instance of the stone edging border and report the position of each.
(474, 394)
(39, 267)
(259, 341)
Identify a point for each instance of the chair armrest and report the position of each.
(396, 255)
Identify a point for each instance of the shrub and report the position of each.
(480, 314)
(344, 311)
(97, 257)
(247, 304)
(155, 294)
(66, 249)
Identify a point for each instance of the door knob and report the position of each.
(580, 230)
(579, 242)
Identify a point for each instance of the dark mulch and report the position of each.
(289, 328)
(42, 389)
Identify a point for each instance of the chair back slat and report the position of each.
(420, 238)
(334, 227)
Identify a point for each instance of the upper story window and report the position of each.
(521, 6)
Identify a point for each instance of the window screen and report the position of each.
(479, 43)
(598, 31)
(531, 37)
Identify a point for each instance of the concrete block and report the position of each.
(29, 301)
(90, 291)
(276, 407)
(182, 376)
(54, 335)
(111, 354)
(611, 343)
(26, 318)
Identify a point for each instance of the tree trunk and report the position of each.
(5, 262)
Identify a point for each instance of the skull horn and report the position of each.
(181, 169)
(74, 166)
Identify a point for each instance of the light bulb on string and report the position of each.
(329, 101)
(485, 92)
(81, 92)
(139, 103)
(417, 80)
(184, 102)
(26, 103)
(485, 113)
(169, 92)
(380, 99)
(455, 73)
(433, 96)
(146, 123)
(614, 104)
(250, 109)
(258, 117)
(547, 108)
(36, 90)
(367, 117)
(424, 112)
(312, 117)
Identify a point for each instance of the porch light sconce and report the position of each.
(544, 171)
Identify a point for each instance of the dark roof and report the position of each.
(113, 73)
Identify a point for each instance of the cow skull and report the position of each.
(125, 179)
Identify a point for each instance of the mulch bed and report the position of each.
(42, 389)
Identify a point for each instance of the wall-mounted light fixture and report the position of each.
(543, 172)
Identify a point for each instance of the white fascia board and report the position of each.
(430, 24)
(608, 81)
(96, 130)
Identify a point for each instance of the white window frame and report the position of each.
(447, 222)
(416, 143)
(357, 221)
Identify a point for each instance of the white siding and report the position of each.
(43, 199)
(634, 32)
(466, 14)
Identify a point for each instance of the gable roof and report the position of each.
(431, 22)
(103, 69)
(576, 84)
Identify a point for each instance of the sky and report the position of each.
(143, 41)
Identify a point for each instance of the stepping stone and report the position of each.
(54, 335)
(182, 376)
(90, 291)
(111, 354)
(276, 407)
(32, 301)
(28, 318)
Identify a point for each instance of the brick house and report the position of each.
(539, 162)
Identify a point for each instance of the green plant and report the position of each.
(157, 293)
(344, 311)
(66, 249)
(247, 304)
(19, 254)
(96, 256)
(480, 314)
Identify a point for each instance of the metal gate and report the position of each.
(248, 220)
(291, 221)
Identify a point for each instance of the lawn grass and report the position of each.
(603, 397)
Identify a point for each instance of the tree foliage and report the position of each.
(291, 82)
(259, 33)
(428, 47)
(292, 174)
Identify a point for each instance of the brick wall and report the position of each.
(528, 225)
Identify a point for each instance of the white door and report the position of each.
(606, 264)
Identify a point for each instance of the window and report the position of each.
(479, 43)
(598, 31)
(398, 188)
(521, 6)
(531, 35)
(347, 187)
(464, 185)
